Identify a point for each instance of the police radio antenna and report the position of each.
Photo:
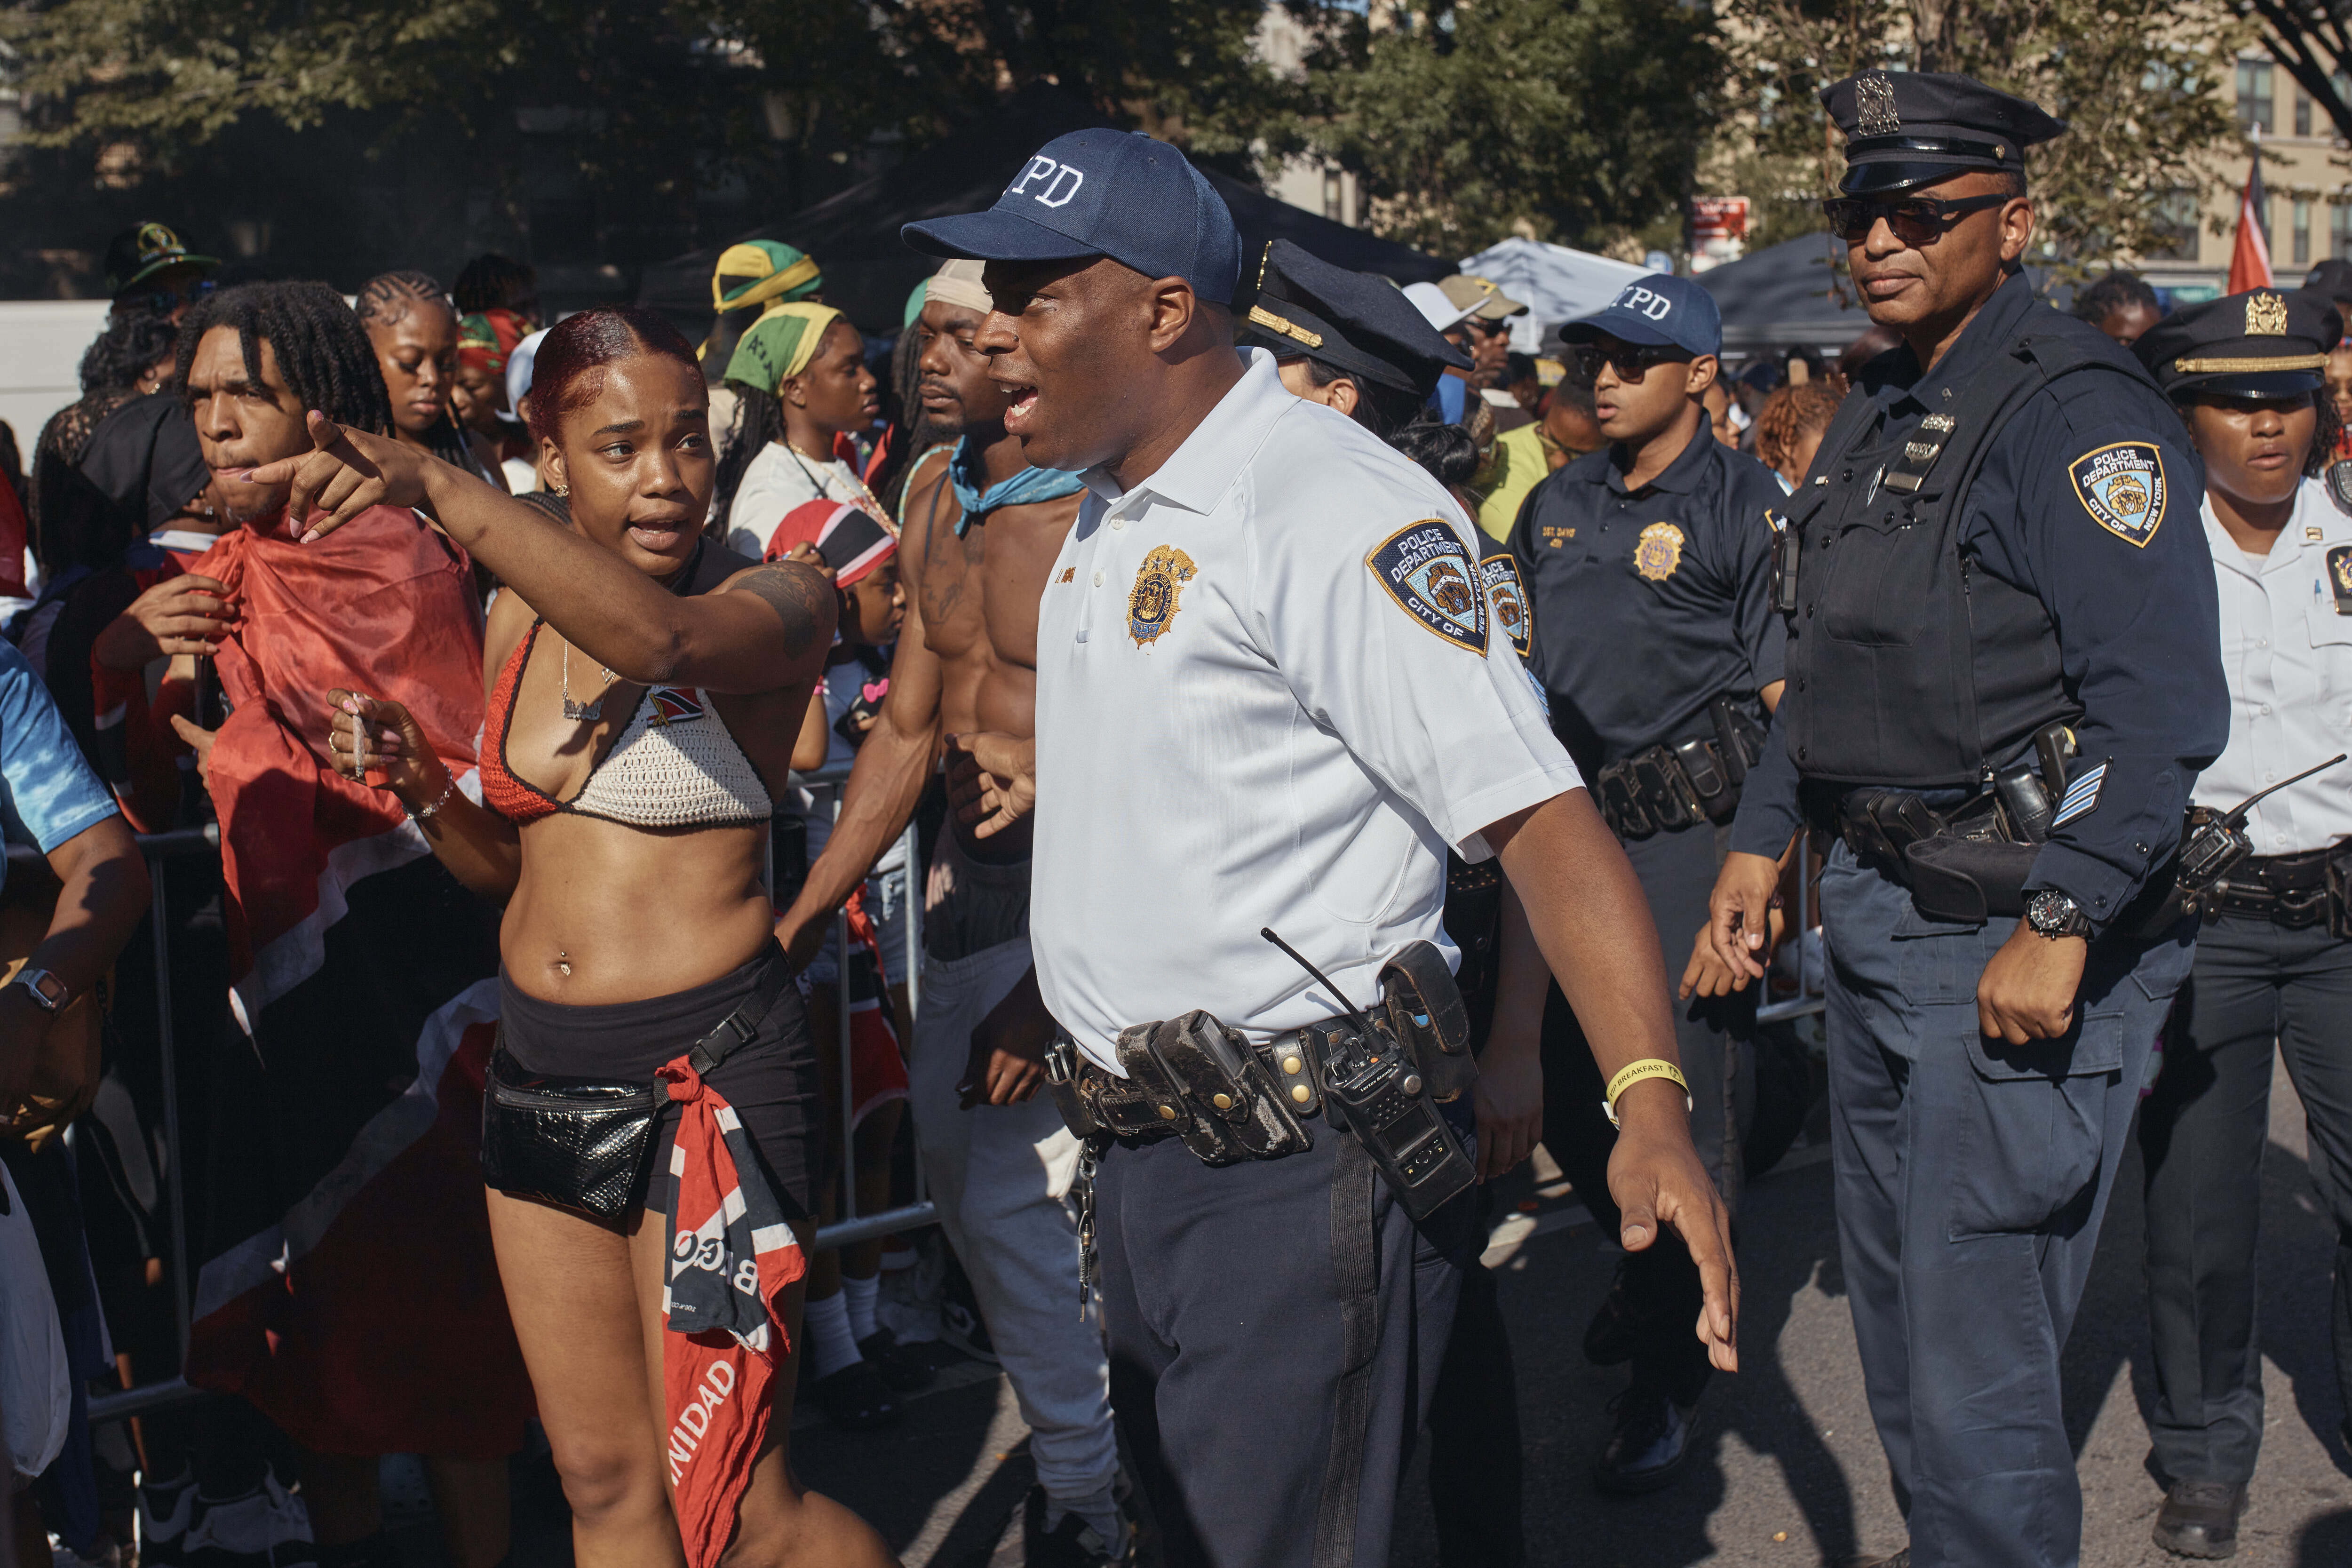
(1355, 1015)
(2237, 818)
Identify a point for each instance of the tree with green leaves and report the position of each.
(2140, 86)
(1575, 120)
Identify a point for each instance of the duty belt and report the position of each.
(2289, 890)
(1671, 786)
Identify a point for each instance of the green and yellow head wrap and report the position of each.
(760, 272)
(779, 346)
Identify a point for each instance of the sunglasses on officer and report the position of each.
(1916, 220)
(1632, 362)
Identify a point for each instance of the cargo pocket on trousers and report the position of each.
(2033, 1123)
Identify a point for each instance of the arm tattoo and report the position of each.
(805, 602)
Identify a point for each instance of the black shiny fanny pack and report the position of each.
(582, 1142)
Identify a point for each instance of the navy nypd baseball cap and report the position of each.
(1655, 311)
(1102, 193)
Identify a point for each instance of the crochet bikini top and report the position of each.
(674, 764)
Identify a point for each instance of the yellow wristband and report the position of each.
(1633, 1073)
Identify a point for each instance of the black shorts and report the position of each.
(771, 1080)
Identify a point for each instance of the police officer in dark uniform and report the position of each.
(1351, 341)
(1648, 565)
(2274, 970)
(2003, 679)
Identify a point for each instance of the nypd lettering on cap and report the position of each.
(2122, 487)
(1428, 572)
(1647, 303)
(1048, 182)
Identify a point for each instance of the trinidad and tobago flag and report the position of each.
(348, 1287)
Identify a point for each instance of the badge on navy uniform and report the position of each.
(1427, 571)
(2340, 577)
(1152, 604)
(2122, 487)
(1658, 552)
(1510, 599)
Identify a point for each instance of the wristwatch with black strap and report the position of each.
(2053, 914)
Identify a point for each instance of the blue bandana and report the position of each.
(1028, 485)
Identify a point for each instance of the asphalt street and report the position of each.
(1789, 1471)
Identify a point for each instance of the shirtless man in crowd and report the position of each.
(982, 528)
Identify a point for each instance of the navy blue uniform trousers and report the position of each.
(2257, 989)
(1971, 1177)
(1275, 1329)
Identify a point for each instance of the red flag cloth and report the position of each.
(12, 544)
(731, 1257)
(2250, 253)
(383, 605)
(348, 1288)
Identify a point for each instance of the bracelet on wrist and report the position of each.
(1637, 1072)
(418, 814)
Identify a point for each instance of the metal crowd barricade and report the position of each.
(149, 1398)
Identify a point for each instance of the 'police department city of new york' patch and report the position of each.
(1427, 571)
(2122, 487)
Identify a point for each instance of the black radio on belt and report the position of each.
(2217, 841)
(1374, 1085)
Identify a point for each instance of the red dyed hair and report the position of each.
(569, 369)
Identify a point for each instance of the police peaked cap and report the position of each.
(1912, 128)
(1359, 323)
(2264, 342)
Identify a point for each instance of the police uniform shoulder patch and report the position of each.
(1152, 603)
(1658, 552)
(2340, 577)
(1510, 599)
(2122, 487)
(1428, 572)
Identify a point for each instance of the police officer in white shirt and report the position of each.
(1265, 699)
(2273, 960)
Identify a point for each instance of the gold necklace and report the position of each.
(581, 712)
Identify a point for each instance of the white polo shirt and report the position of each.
(1266, 695)
(2286, 647)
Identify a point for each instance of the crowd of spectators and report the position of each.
(245, 1156)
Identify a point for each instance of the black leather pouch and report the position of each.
(581, 1144)
(1236, 1114)
(1425, 1010)
(1969, 881)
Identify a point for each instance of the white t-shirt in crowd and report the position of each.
(774, 482)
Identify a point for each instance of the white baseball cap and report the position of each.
(1439, 311)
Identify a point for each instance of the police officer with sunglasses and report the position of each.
(2003, 679)
(1648, 565)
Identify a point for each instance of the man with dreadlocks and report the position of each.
(348, 1290)
(413, 328)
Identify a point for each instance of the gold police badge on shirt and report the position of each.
(1510, 599)
(1658, 552)
(1152, 604)
(2122, 487)
(2340, 577)
(1428, 572)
